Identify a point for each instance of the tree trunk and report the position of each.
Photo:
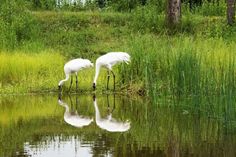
(230, 11)
(173, 12)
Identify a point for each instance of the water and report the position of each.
(114, 125)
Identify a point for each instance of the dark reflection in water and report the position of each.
(116, 126)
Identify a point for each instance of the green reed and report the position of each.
(181, 65)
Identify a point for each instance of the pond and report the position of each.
(116, 125)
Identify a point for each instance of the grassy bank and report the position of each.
(22, 72)
(160, 65)
(197, 58)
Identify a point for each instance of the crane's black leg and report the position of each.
(59, 95)
(71, 106)
(76, 82)
(114, 79)
(108, 78)
(108, 105)
(114, 102)
(76, 103)
(71, 81)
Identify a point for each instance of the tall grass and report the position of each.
(181, 65)
(29, 72)
(160, 65)
(41, 72)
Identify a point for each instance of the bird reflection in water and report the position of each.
(72, 117)
(109, 123)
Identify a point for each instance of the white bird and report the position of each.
(107, 61)
(73, 66)
(73, 118)
(110, 124)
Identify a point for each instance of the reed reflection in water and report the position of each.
(34, 125)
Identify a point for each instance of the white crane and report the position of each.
(73, 66)
(110, 124)
(73, 118)
(107, 61)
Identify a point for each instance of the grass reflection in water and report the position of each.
(183, 127)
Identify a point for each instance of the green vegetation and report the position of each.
(22, 72)
(181, 65)
(187, 74)
(197, 57)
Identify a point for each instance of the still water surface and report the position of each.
(114, 125)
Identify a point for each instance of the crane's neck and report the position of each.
(64, 105)
(96, 74)
(62, 81)
(98, 117)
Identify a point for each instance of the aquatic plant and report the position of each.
(181, 65)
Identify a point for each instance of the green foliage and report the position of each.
(123, 5)
(148, 19)
(80, 34)
(170, 55)
(17, 24)
(43, 4)
(211, 9)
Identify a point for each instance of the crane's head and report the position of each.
(87, 63)
(60, 85)
(94, 86)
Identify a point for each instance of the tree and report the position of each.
(230, 11)
(173, 12)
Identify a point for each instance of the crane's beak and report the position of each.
(59, 88)
(59, 96)
(94, 86)
(94, 97)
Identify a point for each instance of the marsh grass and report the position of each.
(181, 65)
(29, 72)
(197, 59)
(40, 72)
